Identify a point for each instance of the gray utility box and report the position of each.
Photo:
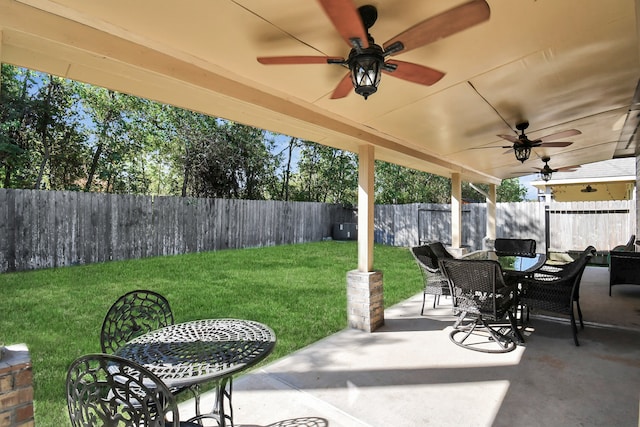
(345, 231)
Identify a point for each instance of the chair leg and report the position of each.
(514, 327)
(424, 298)
(436, 300)
(580, 314)
(574, 329)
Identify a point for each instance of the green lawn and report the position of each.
(298, 290)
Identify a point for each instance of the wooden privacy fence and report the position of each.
(570, 225)
(40, 229)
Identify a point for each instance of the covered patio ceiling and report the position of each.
(570, 64)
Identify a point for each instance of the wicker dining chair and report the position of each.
(485, 301)
(559, 291)
(434, 281)
(107, 390)
(504, 246)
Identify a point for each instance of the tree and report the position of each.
(396, 184)
(326, 175)
(15, 115)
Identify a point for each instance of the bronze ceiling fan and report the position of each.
(366, 60)
(522, 145)
(546, 171)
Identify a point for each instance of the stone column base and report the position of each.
(365, 300)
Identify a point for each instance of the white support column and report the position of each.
(365, 299)
(366, 198)
(490, 237)
(456, 212)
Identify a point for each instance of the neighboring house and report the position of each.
(608, 180)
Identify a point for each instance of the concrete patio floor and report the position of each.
(408, 373)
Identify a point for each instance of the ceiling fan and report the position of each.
(546, 171)
(522, 145)
(366, 60)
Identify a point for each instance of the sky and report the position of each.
(532, 192)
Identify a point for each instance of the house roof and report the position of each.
(609, 180)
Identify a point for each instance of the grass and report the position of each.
(298, 290)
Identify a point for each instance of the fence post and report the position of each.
(547, 233)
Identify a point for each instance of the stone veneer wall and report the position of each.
(16, 387)
(365, 300)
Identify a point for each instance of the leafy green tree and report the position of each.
(325, 175)
(15, 118)
(57, 135)
(398, 185)
(118, 147)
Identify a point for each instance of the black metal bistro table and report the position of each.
(192, 353)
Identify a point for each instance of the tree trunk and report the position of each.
(44, 124)
(99, 148)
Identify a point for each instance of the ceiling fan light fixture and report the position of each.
(545, 175)
(366, 70)
(589, 189)
(522, 152)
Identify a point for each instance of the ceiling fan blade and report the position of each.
(344, 87)
(442, 25)
(345, 17)
(287, 60)
(415, 73)
(493, 146)
(560, 135)
(553, 144)
(509, 138)
(567, 168)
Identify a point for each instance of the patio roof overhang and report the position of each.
(559, 65)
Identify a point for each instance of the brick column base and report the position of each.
(365, 300)
(16, 387)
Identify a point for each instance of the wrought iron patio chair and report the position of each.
(434, 281)
(521, 247)
(107, 390)
(485, 301)
(558, 292)
(136, 313)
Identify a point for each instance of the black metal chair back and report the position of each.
(134, 314)
(107, 390)
(522, 247)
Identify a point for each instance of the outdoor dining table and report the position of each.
(519, 265)
(512, 265)
(192, 353)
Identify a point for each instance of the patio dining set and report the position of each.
(493, 291)
(147, 360)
